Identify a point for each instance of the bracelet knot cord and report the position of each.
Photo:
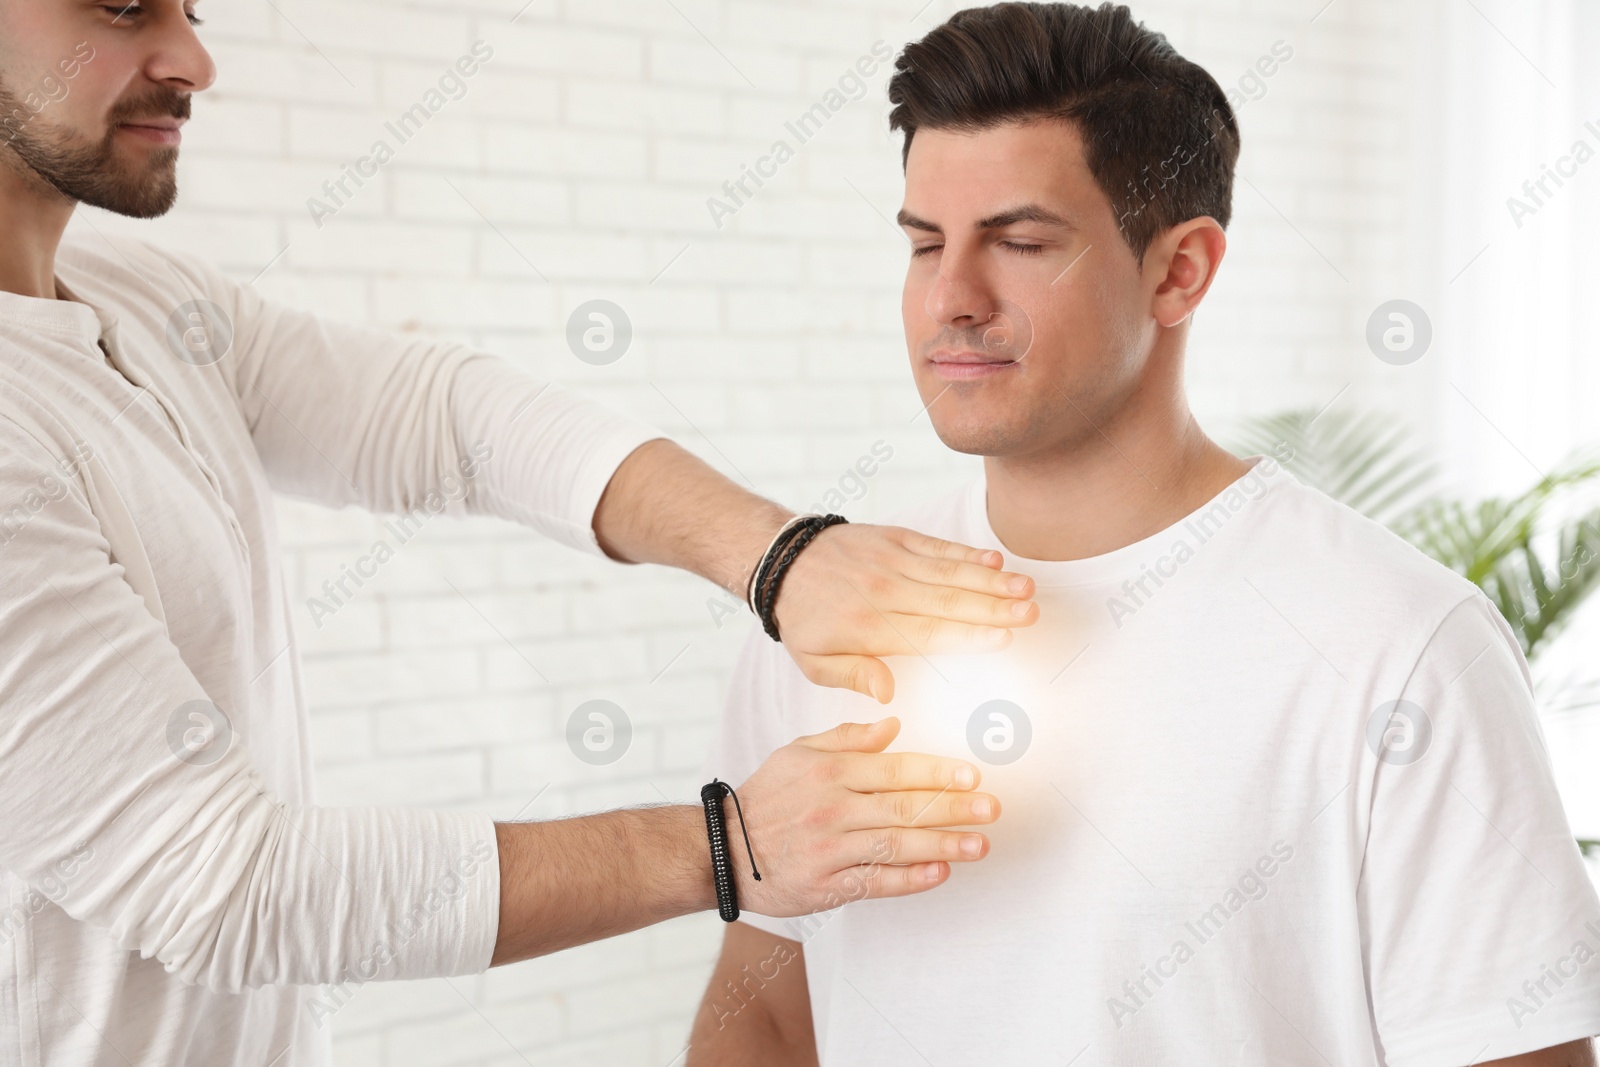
(769, 573)
(721, 862)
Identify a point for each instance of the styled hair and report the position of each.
(1160, 137)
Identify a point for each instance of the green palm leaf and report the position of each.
(1535, 575)
(1366, 461)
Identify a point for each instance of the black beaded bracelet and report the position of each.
(770, 574)
(721, 863)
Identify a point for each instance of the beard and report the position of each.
(94, 172)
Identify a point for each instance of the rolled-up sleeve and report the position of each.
(144, 816)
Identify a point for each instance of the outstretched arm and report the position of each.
(857, 593)
(827, 819)
(345, 415)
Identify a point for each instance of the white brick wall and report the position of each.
(591, 141)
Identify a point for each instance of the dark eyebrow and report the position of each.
(1025, 213)
(911, 222)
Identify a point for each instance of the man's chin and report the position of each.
(141, 185)
(145, 190)
(977, 437)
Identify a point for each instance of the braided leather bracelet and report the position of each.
(772, 569)
(721, 863)
(781, 537)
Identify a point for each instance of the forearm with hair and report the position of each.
(665, 505)
(567, 882)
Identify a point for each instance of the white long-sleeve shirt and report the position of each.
(171, 894)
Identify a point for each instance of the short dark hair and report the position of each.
(1160, 137)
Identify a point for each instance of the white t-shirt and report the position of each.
(1202, 858)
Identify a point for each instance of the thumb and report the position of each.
(866, 675)
(855, 737)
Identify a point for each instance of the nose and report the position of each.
(179, 60)
(961, 296)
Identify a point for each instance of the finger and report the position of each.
(899, 771)
(946, 602)
(923, 635)
(861, 674)
(939, 548)
(899, 846)
(967, 576)
(881, 880)
(854, 737)
(923, 807)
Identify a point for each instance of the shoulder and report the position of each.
(1346, 548)
(121, 269)
(1360, 582)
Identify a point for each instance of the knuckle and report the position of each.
(819, 818)
(827, 772)
(894, 772)
(822, 846)
(877, 586)
(853, 676)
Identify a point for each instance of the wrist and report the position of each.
(750, 544)
(688, 863)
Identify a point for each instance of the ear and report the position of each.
(1183, 261)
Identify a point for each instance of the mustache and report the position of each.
(1008, 334)
(162, 102)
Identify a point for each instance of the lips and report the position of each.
(967, 366)
(967, 357)
(160, 130)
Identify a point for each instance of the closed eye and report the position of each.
(130, 12)
(1023, 249)
(923, 250)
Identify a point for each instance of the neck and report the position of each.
(33, 217)
(1143, 467)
